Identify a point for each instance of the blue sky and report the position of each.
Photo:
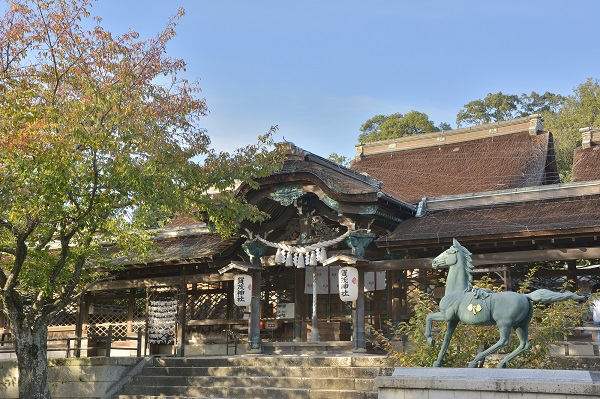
(319, 69)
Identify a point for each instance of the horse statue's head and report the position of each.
(455, 255)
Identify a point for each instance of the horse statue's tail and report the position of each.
(547, 296)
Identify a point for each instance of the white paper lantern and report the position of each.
(242, 289)
(348, 283)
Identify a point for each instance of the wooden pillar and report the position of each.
(255, 250)
(572, 273)
(314, 335)
(230, 303)
(181, 314)
(508, 279)
(359, 335)
(300, 303)
(81, 317)
(254, 344)
(130, 309)
(394, 296)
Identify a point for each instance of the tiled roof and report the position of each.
(586, 164)
(535, 218)
(185, 248)
(516, 159)
(181, 221)
(197, 247)
(586, 159)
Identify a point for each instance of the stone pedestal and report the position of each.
(433, 383)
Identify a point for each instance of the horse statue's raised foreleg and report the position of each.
(503, 341)
(447, 337)
(439, 316)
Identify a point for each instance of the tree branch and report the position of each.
(20, 255)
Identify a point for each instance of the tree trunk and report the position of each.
(31, 345)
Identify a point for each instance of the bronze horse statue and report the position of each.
(462, 302)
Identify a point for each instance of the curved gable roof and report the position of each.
(337, 182)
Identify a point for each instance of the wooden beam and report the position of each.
(498, 258)
(159, 281)
(240, 266)
(398, 264)
(540, 255)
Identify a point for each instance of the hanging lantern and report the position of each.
(348, 283)
(242, 289)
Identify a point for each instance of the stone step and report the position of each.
(244, 393)
(161, 397)
(259, 377)
(265, 360)
(362, 384)
(269, 371)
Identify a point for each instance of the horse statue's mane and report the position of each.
(468, 261)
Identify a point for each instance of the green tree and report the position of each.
(339, 159)
(493, 108)
(580, 109)
(497, 107)
(547, 103)
(95, 131)
(384, 127)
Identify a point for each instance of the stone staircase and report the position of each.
(259, 377)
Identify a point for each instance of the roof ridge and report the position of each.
(532, 124)
(513, 195)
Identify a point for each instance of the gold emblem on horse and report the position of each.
(474, 309)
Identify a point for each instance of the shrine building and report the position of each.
(375, 226)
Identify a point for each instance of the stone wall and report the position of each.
(87, 378)
(442, 383)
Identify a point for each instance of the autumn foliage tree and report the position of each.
(96, 133)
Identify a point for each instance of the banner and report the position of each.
(374, 281)
(327, 277)
(327, 282)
